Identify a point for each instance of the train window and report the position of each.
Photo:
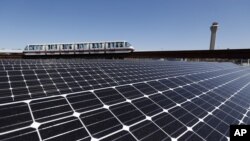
(112, 44)
(100, 45)
(31, 47)
(66, 46)
(93, 45)
(36, 48)
(127, 44)
(79, 46)
(39, 47)
(109, 45)
(120, 44)
(85, 45)
(52, 47)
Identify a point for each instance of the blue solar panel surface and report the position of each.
(105, 100)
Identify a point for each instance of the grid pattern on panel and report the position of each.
(77, 99)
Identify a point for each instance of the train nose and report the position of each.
(132, 48)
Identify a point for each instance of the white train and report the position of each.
(80, 48)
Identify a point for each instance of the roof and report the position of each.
(10, 51)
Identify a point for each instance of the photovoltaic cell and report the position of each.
(109, 96)
(83, 102)
(195, 109)
(147, 106)
(158, 86)
(50, 108)
(169, 124)
(100, 122)
(174, 96)
(129, 92)
(27, 134)
(163, 101)
(14, 116)
(127, 113)
(64, 129)
(184, 116)
(145, 88)
(168, 83)
(206, 132)
(121, 136)
(146, 131)
(191, 136)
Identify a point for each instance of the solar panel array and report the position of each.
(121, 100)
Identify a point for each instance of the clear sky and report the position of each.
(146, 24)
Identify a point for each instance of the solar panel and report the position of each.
(77, 99)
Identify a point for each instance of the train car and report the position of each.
(35, 50)
(118, 47)
(67, 48)
(82, 48)
(97, 48)
(112, 47)
(53, 49)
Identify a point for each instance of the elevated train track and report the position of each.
(210, 54)
(188, 54)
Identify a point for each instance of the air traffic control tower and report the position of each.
(213, 29)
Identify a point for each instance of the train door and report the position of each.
(100, 48)
(53, 50)
(74, 46)
(79, 49)
(120, 47)
(86, 48)
(113, 47)
(91, 48)
(110, 47)
(105, 46)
